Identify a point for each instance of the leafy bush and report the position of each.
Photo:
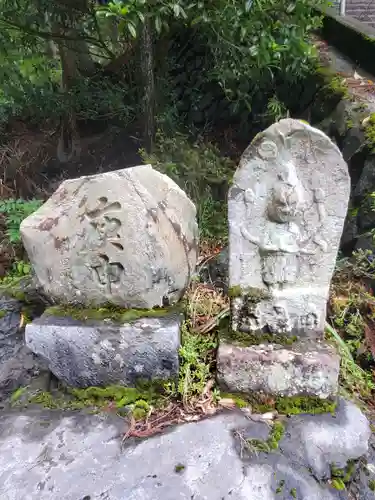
(202, 172)
(14, 212)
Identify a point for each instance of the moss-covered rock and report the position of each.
(272, 442)
(137, 399)
(252, 294)
(113, 313)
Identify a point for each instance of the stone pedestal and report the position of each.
(308, 368)
(287, 207)
(100, 353)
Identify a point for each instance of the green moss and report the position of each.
(293, 493)
(338, 484)
(141, 409)
(116, 314)
(303, 121)
(342, 476)
(293, 405)
(333, 84)
(179, 468)
(371, 484)
(248, 339)
(280, 486)
(276, 435)
(16, 395)
(18, 295)
(138, 399)
(2, 314)
(349, 124)
(272, 443)
(304, 404)
(235, 291)
(252, 294)
(239, 399)
(370, 133)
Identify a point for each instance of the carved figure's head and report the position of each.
(287, 194)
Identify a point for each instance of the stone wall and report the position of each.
(350, 125)
(363, 10)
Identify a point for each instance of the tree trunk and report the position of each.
(147, 68)
(76, 63)
(68, 147)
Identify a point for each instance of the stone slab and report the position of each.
(47, 455)
(305, 368)
(103, 353)
(286, 211)
(127, 237)
(321, 440)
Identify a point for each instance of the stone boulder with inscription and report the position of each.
(287, 207)
(127, 238)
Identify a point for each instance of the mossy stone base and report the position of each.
(303, 369)
(101, 353)
(294, 405)
(110, 312)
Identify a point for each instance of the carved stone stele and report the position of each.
(127, 237)
(287, 207)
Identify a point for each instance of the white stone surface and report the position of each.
(127, 237)
(47, 455)
(287, 207)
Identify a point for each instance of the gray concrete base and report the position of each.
(103, 353)
(305, 368)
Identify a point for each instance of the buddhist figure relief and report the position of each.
(284, 238)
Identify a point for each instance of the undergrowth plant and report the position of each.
(14, 212)
(202, 172)
(352, 322)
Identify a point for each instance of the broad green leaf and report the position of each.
(132, 29)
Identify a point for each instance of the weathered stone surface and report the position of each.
(127, 237)
(319, 441)
(287, 207)
(96, 353)
(17, 363)
(303, 368)
(45, 455)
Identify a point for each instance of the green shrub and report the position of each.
(202, 172)
(14, 212)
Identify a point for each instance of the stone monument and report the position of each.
(287, 207)
(127, 237)
(106, 248)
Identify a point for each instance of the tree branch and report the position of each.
(46, 35)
